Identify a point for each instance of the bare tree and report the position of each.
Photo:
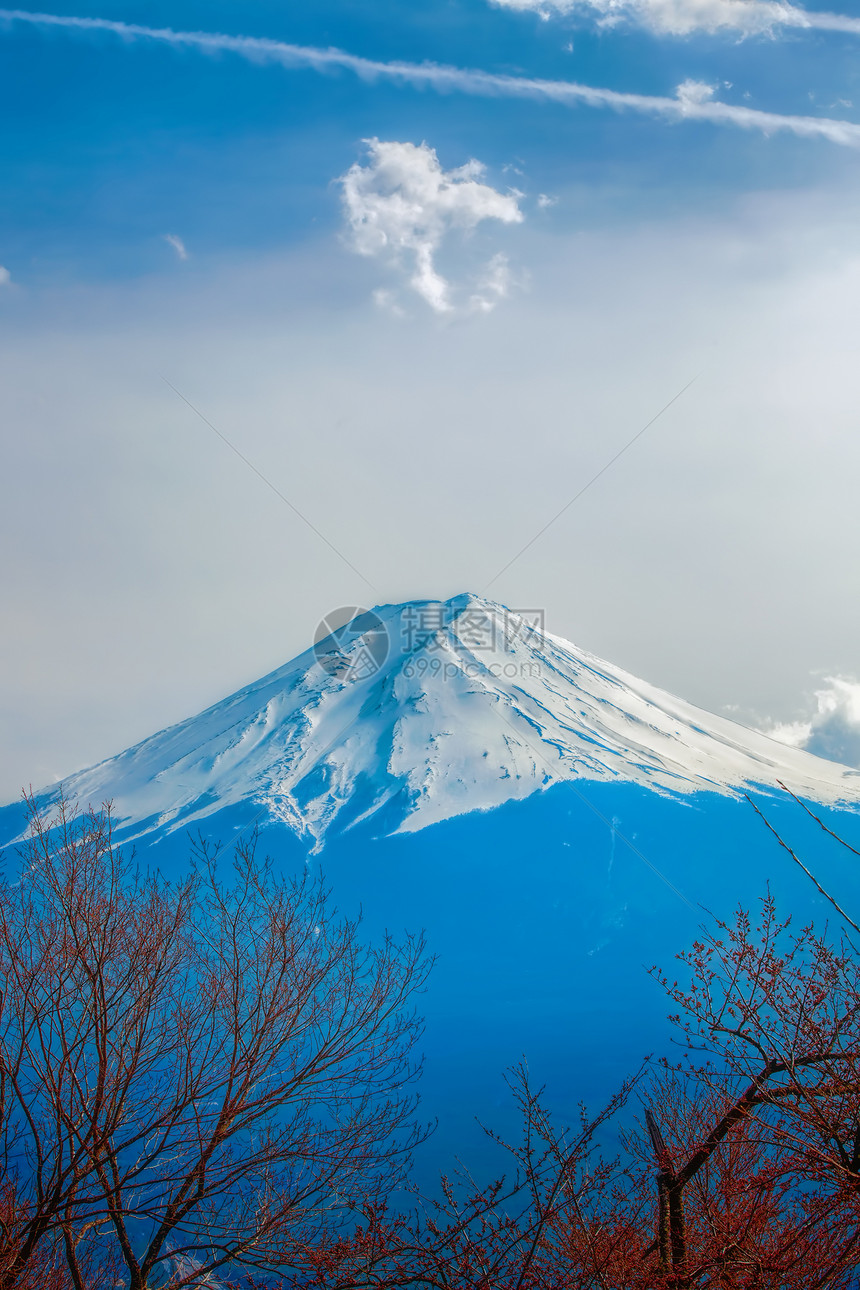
(554, 1220)
(771, 1023)
(194, 1076)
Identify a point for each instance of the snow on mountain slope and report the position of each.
(429, 710)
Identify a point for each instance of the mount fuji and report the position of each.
(554, 824)
(413, 714)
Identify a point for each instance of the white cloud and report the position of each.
(833, 730)
(673, 17)
(387, 300)
(5, 276)
(178, 245)
(493, 286)
(694, 93)
(683, 17)
(488, 84)
(402, 205)
(544, 201)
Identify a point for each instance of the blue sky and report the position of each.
(113, 140)
(429, 361)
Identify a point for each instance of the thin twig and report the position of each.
(811, 876)
(819, 821)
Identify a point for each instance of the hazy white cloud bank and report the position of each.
(683, 17)
(402, 205)
(5, 276)
(833, 730)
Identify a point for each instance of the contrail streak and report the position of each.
(690, 106)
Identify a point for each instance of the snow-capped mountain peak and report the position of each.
(430, 709)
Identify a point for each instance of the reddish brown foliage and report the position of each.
(192, 1076)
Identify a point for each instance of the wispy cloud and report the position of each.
(471, 81)
(178, 245)
(833, 729)
(683, 17)
(493, 285)
(5, 276)
(402, 205)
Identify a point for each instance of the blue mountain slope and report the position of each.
(545, 915)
